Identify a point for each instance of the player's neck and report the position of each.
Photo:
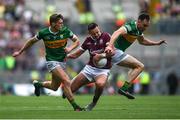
(53, 30)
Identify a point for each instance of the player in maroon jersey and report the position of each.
(95, 43)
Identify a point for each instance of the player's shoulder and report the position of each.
(88, 38)
(130, 22)
(106, 34)
(64, 28)
(130, 25)
(44, 30)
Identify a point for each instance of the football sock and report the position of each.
(37, 83)
(95, 99)
(40, 84)
(125, 86)
(73, 103)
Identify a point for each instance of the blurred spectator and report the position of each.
(120, 80)
(10, 62)
(86, 15)
(119, 14)
(137, 86)
(145, 82)
(34, 75)
(2, 9)
(172, 82)
(144, 6)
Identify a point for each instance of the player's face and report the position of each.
(95, 33)
(58, 25)
(143, 24)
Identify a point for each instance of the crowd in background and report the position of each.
(17, 24)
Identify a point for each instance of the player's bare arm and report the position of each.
(76, 54)
(75, 44)
(27, 45)
(120, 31)
(144, 41)
(98, 56)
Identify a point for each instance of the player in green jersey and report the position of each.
(55, 39)
(121, 40)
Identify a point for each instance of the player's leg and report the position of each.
(100, 82)
(53, 84)
(78, 82)
(66, 86)
(136, 68)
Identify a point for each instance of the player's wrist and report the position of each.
(103, 55)
(110, 45)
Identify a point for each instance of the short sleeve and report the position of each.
(39, 35)
(84, 45)
(70, 33)
(108, 37)
(128, 28)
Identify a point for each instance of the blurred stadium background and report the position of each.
(21, 19)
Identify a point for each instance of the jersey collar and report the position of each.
(52, 31)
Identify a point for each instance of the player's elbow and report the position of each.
(141, 66)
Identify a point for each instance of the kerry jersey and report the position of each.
(124, 41)
(55, 43)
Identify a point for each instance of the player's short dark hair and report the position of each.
(143, 16)
(92, 26)
(55, 17)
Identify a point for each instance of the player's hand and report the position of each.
(15, 54)
(162, 41)
(109, 50)
(67, 50)
(110, 54)
(68, 56)
(96, 58)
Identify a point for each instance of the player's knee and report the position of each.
(100, 84)
(66, 82)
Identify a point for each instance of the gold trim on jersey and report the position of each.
(56, 43)
(130, 38)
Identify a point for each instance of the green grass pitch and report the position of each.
(109, 107)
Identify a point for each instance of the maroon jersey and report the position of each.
(97, 46)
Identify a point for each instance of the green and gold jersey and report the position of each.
(124, 41)
(55, 42)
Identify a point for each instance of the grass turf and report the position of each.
(109, 107)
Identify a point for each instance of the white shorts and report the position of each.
(91, 72)
(51, 65)
(119, 56)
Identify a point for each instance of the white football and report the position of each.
(102, 62)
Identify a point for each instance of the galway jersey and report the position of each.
(124, 41)
(97, 46)
(55, 42)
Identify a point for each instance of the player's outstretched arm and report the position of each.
(75, 55)
(115, 35)
(27, 45)
(75, 44)
(144, 41)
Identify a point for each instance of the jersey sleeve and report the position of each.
(39, 35)
(84, 45)
(70, 33)
(128, 28)
(108, 37)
